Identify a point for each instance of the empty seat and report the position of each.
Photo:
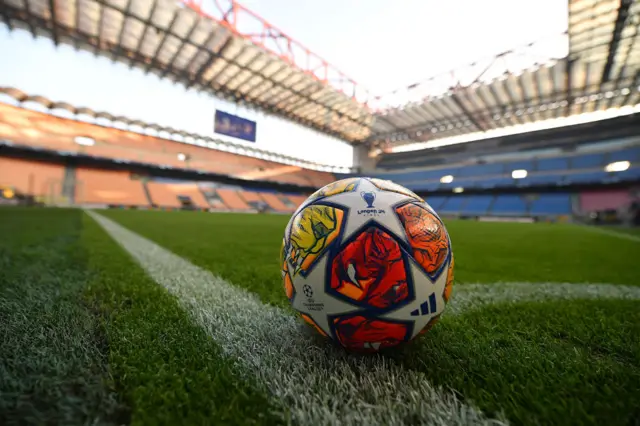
(587, 177)
(251, 197)
(549, 204)
(587, 161)
(108, 187)
(495, 182)
(31, 177)
(162, 196)
(436, 201)
(481, 169)
(176, 195)
(288, 202)
(478, 204)
(509, 204)
(628, 154)
(232, 199)
(297, 199)
(553, 164)
(544, 179)
(631, 174)
(453, 204)
(519, 165)
(274, 202)
(212, 198)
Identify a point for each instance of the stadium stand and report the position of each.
(564, 169)
(110, 188)
(59, 184)
(509, 204)
(274, 202)
(233, 200)
(176, 195)
(552, 204)
(599, 200)
(31, 177)
(39, 130)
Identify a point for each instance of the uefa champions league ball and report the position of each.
(367, 263)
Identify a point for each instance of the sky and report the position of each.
(383, 45)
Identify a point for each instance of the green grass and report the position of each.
(569, 363)
(624, 230)
(88, 337)
(245, 249)
(572, 362)
(53, 358)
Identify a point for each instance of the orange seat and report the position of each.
(297, 200)
(232, 199)
(251, 197)
(107, 187)
(274, 202)
(167, 194)
(31, 177)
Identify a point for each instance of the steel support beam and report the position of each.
(456, 100)
(623, 13)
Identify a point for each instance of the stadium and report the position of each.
(152, 154)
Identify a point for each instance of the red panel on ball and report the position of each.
(364, 334)
(371, 271)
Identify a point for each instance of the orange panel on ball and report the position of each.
(449, 286)
(370, 270)
(309, 321)
(427, 236)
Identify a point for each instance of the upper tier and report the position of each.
(36, 129)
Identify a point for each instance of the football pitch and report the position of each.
(149, 317)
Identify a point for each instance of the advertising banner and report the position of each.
(234, 126)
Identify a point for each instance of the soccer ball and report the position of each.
(367, 263)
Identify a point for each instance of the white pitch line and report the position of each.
(611, 233)
(318, 383)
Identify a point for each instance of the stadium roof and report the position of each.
(593, 67)
(236, 54)
(239, 56)
(116, 121)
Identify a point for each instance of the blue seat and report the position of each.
(436, 201)
(628, 154)
(550, 204)
(553, 164)
(544, 179)
(509, 204)
(481, 170)
(519, 165)
(586, 177)
(496, 182)
(424, 186)
(453, 204)
(477, 204)
(631, 174)
(587, 161)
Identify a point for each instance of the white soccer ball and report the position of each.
(367, 263)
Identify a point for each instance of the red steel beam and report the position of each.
(237, 18)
